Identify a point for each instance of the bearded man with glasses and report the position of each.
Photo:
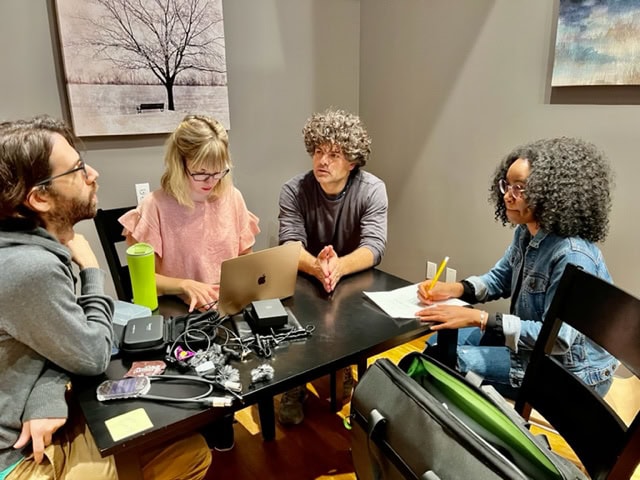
(47, 331)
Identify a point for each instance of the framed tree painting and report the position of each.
(134, 67)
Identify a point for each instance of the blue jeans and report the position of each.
(492, 363)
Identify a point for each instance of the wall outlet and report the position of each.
(432, 268)
(450, 275)
(142, 190)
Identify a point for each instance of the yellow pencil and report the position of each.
(438, 273)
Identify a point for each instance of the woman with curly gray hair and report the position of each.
(557, 194)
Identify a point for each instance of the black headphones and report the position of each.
(205, 323)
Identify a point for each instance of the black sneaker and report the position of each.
(219, 435)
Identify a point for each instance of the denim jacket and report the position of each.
(543, 258)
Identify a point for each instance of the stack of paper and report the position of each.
(403, 302)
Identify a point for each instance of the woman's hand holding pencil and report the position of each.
(431, 290)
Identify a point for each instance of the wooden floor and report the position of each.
(316, 449)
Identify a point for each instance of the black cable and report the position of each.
(202, 398)
(198, 329)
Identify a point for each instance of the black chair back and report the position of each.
(110, 234)
(609, 317)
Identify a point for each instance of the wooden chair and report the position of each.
(110, 233)
(607, 448)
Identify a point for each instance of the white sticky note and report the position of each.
(128, 424)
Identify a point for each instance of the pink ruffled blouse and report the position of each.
(192, 243)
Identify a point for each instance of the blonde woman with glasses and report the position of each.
(194, 221)
(197, 218)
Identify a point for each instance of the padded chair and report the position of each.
(110, 233)
(607, 447)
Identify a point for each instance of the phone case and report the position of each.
(129, 387)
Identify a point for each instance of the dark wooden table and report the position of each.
(347, 330)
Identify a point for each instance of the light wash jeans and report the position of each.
(492, 363)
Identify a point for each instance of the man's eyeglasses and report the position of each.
(203, 176)
(517, 190)
(79, 166)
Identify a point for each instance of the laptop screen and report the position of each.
(261, 275)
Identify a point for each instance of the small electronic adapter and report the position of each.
(265, 314)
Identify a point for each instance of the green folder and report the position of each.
(484, 418)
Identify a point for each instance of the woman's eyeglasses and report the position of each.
(517, 190)
(204, 176)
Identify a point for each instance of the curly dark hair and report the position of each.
(568, 189)
(339, 128)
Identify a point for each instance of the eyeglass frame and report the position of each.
(215, 175)
(82, 166)
(517, 190)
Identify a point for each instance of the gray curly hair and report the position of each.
(339, 128)
(568, 189)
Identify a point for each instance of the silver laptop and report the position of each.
(261, 275)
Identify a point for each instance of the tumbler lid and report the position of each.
(140, 249)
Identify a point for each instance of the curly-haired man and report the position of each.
(557, 194)
(338, 212)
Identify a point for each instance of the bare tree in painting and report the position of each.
(166, 37)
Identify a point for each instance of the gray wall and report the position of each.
(445, 87)
(449, 87)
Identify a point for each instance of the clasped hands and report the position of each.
(445, 316)
(328, 268)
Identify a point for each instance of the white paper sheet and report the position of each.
(403, 302)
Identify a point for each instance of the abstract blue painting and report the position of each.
(597, 43)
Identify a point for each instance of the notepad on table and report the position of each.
(403, 302)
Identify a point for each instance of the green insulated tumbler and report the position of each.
(142, 270)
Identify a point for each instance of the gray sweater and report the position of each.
(356, 218)
(45, 330)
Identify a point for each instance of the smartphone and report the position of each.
(123, 388)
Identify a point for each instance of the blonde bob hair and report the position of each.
(203, 142)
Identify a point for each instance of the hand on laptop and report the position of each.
(200, 294)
